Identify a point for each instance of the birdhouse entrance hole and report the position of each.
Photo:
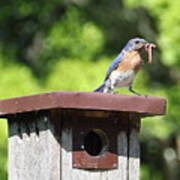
(96, 142)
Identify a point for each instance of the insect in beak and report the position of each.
(148, 48)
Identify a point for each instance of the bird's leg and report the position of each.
(134, 92)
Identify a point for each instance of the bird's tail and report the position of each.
(100, 88)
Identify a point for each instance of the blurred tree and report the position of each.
(26, 26)
(23, 24)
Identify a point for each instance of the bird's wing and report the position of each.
(114, 65)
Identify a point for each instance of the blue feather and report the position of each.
(100, 88)
(114, 64)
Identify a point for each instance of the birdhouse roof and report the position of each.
(143, 106)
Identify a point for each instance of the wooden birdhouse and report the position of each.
(76, 135)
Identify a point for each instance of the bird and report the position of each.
(123, 69)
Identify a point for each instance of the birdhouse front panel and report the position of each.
(93, 145)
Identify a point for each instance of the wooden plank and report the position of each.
(121, 172)
(69, 173)
(66, 154)
(34, 152)
(144, 106)
(134, 155)
(123, 156)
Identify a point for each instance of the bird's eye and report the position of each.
(137, 42)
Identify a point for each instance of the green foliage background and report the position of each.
(68, 45)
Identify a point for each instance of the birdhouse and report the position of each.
(76, 135)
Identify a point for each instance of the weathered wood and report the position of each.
(69, 173)
(144, 106)
(34, 152)
(134, 155)
(121, 172)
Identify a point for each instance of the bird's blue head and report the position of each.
(135, 44)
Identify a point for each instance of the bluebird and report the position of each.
(125, 66)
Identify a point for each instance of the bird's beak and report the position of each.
(148, 48)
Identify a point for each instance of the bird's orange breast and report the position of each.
(131, 61)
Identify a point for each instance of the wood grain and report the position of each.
(134, 156)
(34, 153)
(142, 105)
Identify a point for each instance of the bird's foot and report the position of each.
(133, 91)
